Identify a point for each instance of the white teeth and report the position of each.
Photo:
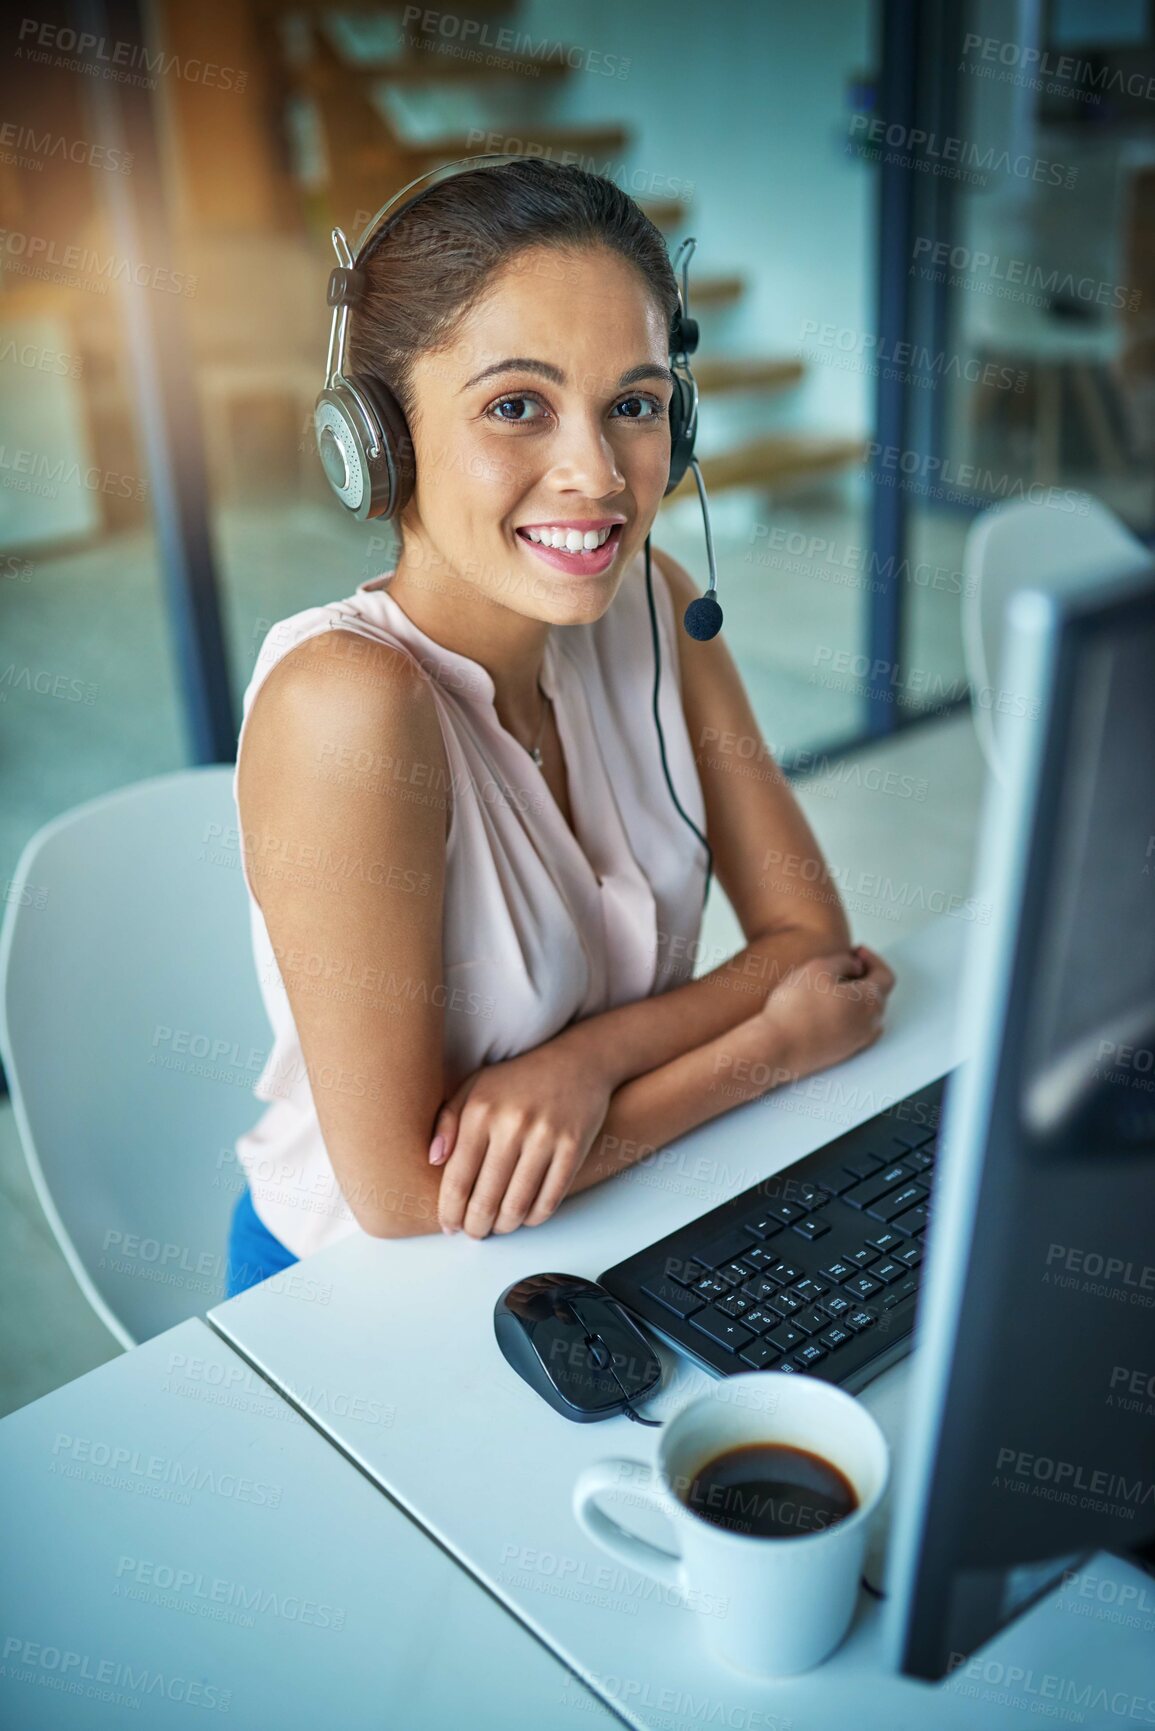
(571, 540)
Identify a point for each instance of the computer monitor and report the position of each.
(1031, 1439)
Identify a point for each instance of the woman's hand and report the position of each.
(514, 1135)
(825, 1010)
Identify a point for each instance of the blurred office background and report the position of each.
(925, 278)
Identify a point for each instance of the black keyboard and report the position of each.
(815, 1270)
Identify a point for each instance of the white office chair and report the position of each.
(1017, 546)
(132, 1031)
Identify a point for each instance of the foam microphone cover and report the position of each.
(703, 618)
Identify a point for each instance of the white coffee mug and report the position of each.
(772, 1607)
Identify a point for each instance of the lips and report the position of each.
(581, 564)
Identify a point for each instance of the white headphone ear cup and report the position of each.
(683, 429)
(344, 439)
(365, 447)
(397, 470)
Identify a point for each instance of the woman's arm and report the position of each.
(357, 951)
(817, 1017)
(766, 859)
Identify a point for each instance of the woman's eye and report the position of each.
(504, 402)
(651, 403)
(636, 409)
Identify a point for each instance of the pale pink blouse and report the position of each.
(540, 929)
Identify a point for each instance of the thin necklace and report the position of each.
(535, 748)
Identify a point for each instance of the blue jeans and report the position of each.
(254, 1253)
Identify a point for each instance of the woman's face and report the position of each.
(576, 431)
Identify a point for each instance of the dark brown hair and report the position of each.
(427, 270)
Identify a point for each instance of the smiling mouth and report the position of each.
(590, 560)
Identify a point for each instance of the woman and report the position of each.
(475, 905)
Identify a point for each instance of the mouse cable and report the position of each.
(638, 1419)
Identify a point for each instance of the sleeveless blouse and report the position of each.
(541, 926)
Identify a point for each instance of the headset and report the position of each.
(366, 449)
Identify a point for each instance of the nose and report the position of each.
(586, 461)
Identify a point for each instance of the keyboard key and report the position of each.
(911, 1256)
(723, 1247)
(811, 1321)
(862, 1286)
(785, 1273)
(914, 1220)
(895, 1294)
(760, 1320)
(788, 1212)
(840, 1269)
(759, 1354)
(674, 1296)
(888, 1207)
(736, 1305)
(736, 1273)
(722, 1329)
(835, 1337)
(784, 1303)
(764, 1226)
(809, 1288)
(809, 1354)
(786, 1338)
(860, 1319)
(887, 1271)
(809, 1194)
(862, 1165)
(786, 1365)
(812, 1227)
(834, 1183)
(835, 1305)
(886, 1238)
(759, 1288)
(922, 1159)
(711, 1287)
(877, 1185)
(863, 1258)
(759, 1258)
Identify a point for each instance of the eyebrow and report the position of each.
(647, 370)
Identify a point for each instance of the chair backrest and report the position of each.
(132, 1032)
(1019, 546)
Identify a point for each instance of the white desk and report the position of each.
(487, 1467)
(305, 1597)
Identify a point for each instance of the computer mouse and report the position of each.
(575, 1346)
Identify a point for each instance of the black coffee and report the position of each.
(770, 1491)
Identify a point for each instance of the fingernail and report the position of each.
(450, 1230)
(437, 1151)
